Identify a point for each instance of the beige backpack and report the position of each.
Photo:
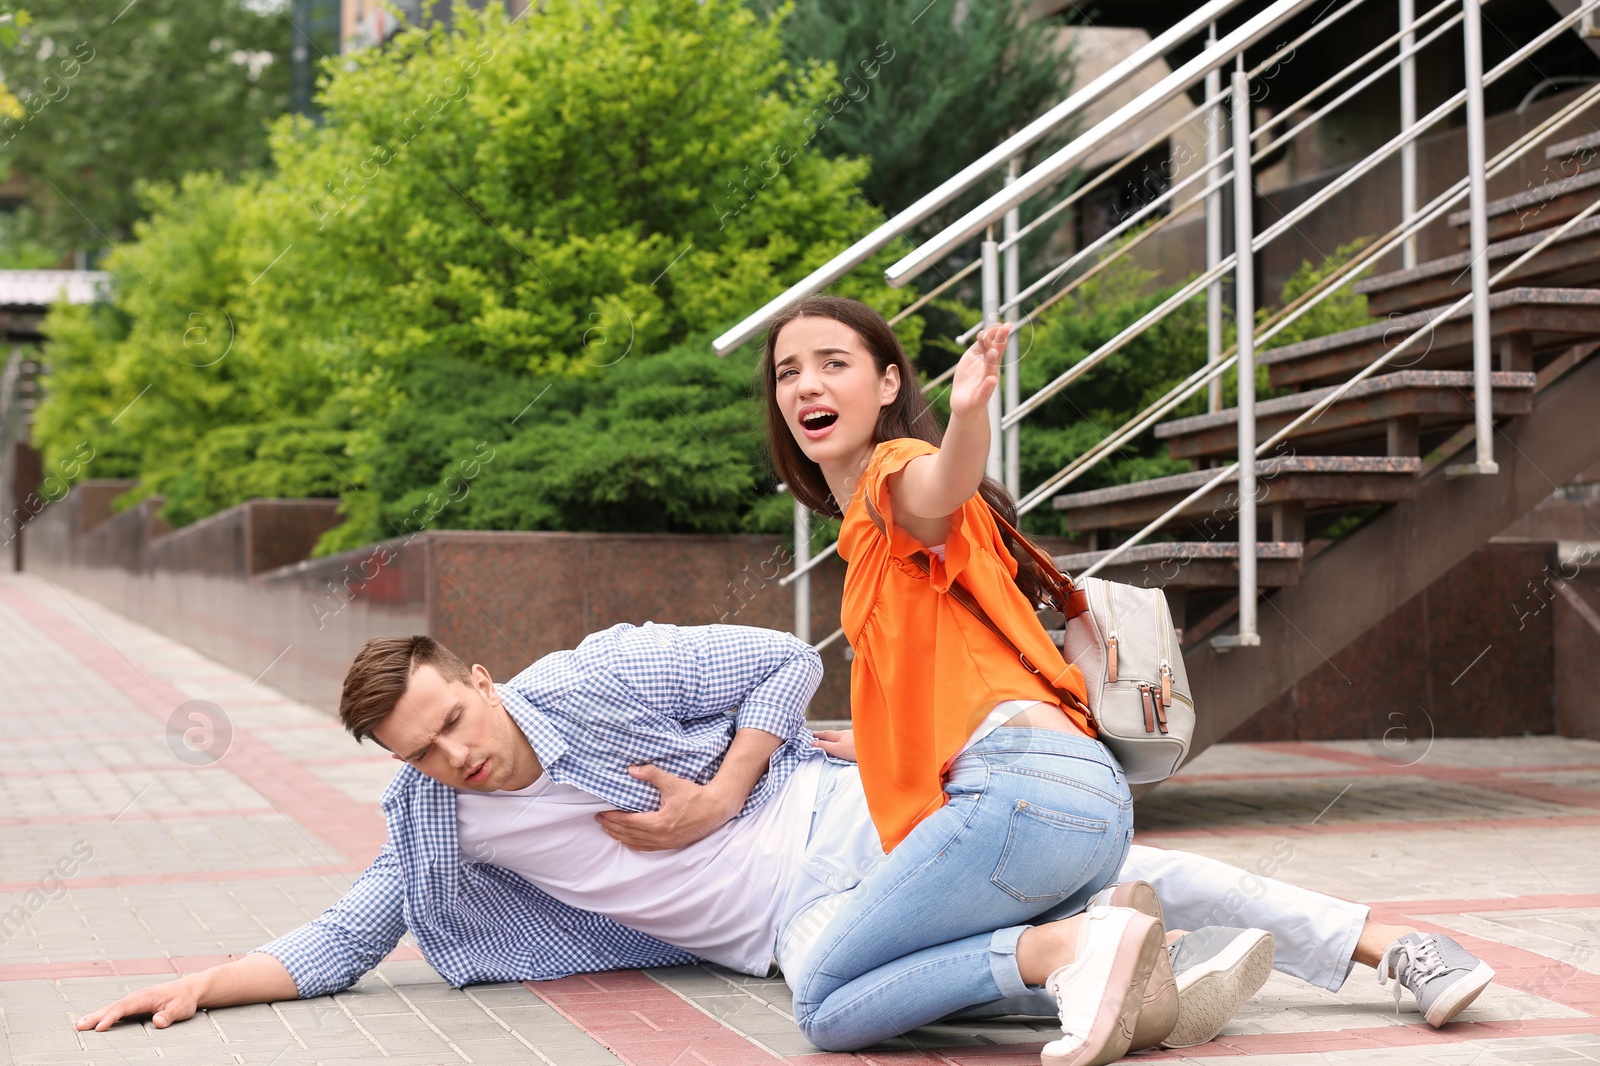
(1122, 637)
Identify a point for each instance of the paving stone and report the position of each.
(202, 866)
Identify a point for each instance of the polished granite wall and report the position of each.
(502, 599)
(1507, 642)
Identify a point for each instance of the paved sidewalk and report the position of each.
(163, 813)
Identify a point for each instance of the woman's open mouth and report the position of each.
(817, 421)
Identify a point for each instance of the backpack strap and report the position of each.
(965, 598)
(1070, 600)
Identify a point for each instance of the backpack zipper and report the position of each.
(1111, 641)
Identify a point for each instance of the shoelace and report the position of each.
(1420, 962)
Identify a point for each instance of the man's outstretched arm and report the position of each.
(256, 978)
(323, 956)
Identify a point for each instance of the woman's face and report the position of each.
(830, 391)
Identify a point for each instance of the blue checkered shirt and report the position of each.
(664, 694)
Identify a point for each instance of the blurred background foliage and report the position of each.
(512, 235)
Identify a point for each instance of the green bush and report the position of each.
(520, 201)
(671, 443)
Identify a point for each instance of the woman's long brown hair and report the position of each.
(908, 415)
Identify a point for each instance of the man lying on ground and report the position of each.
(647, 799)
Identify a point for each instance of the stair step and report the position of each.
(1584, 144)
(1571, 261)
(1527, 319)
(1538, 208)
(1193, 564)
(1315, 482)
(1435, 398)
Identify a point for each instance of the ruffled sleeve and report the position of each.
(972, 526)
(888, 458)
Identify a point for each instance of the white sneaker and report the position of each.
(1101, 992)
(1159, 1014)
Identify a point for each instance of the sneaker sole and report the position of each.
(1112, 1031)
(1444, 1009)
(1210, 995)
(1158, 1013)
(1140, 896)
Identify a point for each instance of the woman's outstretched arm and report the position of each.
(933, 487)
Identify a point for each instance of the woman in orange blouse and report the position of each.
(997, 806)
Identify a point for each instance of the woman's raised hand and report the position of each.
(979, 371)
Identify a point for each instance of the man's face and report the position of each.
(457, 733)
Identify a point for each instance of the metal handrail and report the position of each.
(1063, 160)
(1226, 155)
(1402, 236)
(1283, 225)
(1396, 237)
(974, 172)
(1180, 80)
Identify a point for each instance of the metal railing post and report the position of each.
(1012, 379)
(1408, 118)
(1477, 201)
(802, 584)
(1214, 124)
(980, 169)
(1244, 326)
(991, 314)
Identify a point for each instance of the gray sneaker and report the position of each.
(1444, 976)
(1217, 970)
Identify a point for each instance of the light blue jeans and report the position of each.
(1037, 822)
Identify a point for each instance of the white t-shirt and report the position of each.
(719, 898)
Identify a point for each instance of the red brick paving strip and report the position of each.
(647, 1024)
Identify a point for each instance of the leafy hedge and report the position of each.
(503, 206)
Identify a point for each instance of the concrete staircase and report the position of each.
(1357, 513)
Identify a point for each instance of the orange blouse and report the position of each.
(926, 672)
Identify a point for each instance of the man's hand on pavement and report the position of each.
(689, 812)
(171, 1001)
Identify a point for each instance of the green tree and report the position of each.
(924, 90)
(115, 94)
(672, 443)
(538, 200)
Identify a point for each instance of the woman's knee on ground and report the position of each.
(827, 1029)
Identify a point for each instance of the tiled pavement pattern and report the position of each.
(179, 860)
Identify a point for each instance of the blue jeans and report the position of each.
(1037, 822)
